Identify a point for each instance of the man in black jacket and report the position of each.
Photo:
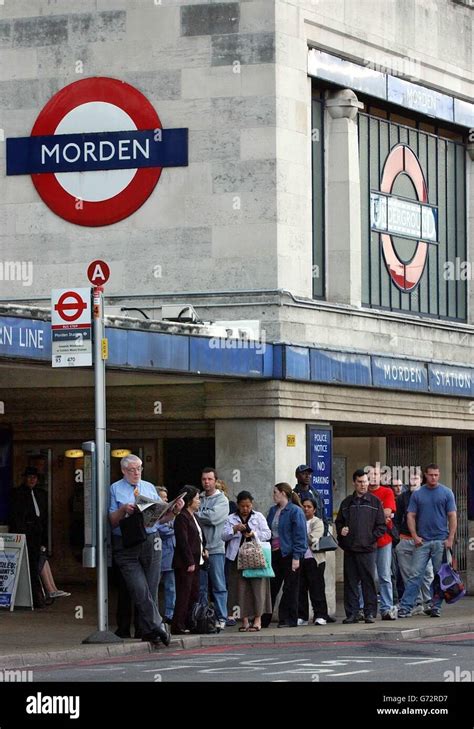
(29, 516)
(359, 523)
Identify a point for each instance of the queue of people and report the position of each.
(427, 523)
(194, 550)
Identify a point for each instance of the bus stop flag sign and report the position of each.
(71, 327)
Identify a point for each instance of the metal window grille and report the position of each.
(441, 291)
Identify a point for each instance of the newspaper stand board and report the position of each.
(15, 585)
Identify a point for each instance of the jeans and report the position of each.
(167, 578)
(140, 569)
(383, 559)
(216, 576)
(405, 552)
(428, 550)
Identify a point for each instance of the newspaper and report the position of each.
(155, 511)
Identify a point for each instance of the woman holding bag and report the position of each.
(312, 571)
(252, 596)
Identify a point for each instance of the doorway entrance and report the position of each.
(183, 460)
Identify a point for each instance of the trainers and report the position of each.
(230, 622)
(435, 613)
(360, 616)
(369, 619)
(302, 622)
(320, 621)
(329, 619)
(404, 613)
(418, 610)
(390, 614)
(220, 624)
(350, 620)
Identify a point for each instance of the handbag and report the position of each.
(203, 619)
(326, 544)
(250, 555)
(133, 529)
(447, 583)
(266, 571)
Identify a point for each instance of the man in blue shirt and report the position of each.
(140, 564)
(432, 521)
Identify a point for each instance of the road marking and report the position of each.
(426, 660)
(350, 673)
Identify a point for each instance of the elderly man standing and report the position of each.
(140, 564)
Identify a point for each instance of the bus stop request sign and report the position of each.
(96, 151)
(71, 327)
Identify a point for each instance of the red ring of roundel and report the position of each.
(116, 208)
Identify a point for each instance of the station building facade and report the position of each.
(328, 196)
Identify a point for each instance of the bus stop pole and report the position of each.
(100, 425)
(102, 635)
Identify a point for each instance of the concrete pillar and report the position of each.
(254, 455)
(378, 451)
(344, 281)
(442, 452)
(470, 227)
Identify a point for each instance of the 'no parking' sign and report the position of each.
(96, 151)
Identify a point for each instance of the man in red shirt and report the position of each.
(384, 544)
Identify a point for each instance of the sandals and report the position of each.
(254, 629)
(244, 629)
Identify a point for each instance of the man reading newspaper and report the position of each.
(140, 564)
(157, 511)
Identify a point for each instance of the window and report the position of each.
(317, 132)
(413, 210)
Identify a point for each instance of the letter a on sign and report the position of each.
(98, 273)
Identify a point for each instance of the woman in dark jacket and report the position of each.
(189, 555)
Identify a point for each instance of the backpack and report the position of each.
(447, 583)
(203, 619)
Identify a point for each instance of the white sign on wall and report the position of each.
(15, 585)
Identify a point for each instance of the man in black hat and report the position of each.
(29, 516)
(304, 488)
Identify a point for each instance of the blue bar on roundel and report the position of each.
(97, 151)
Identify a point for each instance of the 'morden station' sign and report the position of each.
(395, 216)
(96, 151)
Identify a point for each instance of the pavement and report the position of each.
(54, 634)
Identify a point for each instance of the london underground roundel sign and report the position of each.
(392, 215)
(96, 151)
